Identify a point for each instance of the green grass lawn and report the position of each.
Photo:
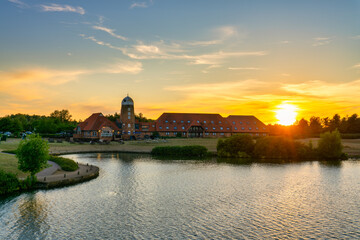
(9, 163)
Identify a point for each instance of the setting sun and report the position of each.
(286, 114)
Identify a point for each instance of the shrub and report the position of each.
(282, 148)
(329, 146)
(32, 154)
(236, 146)
(186, 151)
(66, 164)
(8, 183)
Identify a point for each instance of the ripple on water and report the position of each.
(136, 197)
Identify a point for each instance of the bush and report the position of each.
(8, 183)
(186, 151)
(329, 146)
(66, 164)
(236, 146)
(282, 148)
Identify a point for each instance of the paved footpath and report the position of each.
(50, 174)
(48, 171)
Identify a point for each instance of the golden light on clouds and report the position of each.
(286, 114)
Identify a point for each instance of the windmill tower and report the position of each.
(127, 117)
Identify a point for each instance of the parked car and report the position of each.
(28, 133)
(7, 134)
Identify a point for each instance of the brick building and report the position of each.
(174, 124)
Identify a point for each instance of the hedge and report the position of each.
(186, 151)
(66, 164)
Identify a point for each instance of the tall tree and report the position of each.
(63, 115)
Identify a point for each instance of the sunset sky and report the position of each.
(227, 57)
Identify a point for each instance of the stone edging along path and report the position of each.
(62, 178)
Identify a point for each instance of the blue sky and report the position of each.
(230, 57)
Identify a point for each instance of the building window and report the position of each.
(188, 121)
(214, 128)
(264, 134)
(219, 122)
(234, 123)
(129, 125)
(167, 133)
(249, 128)
(254, 122)
(198, 121)
(175, 128)
(184, 133)
(221, 128)
(263, 128)
(128, 117)
(182, 127)
(247, 123)
(212, 121)
(227, 128)
(153, 125)
(222, 134)
(207, 134)
(166, 121)
(160, 127)
(167, 127)
(257, 128)
(204, 121)
(129, 113)
(242, 128)
(206, 128)
(240, 122)
(214, 134)
(175, 133)
(235, 128)
(129, 109)
(174, 121)
(94, 134)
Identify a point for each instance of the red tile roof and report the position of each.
(248, 124)
(97, 121)
(183, 121)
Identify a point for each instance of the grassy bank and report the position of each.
(9, 163)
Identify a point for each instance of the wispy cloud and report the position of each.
(244, 68)
(357, 37)
(62, 8)
(19, 3)
(138, 5)
(320, 41)
(92, 38)
(124, 67)
(109, 31)
(357, 66)
(284, 42)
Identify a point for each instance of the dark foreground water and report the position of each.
(136, 197)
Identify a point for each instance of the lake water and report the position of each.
(136, 197)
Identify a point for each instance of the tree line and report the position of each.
(348, 126)
(57, 121)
